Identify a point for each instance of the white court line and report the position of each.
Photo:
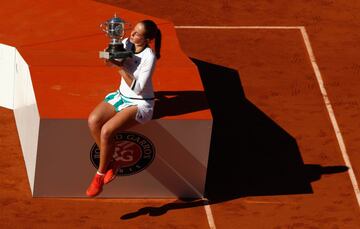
(323, 92)
(235, 27)
(209, 214)
(208, 211)
(331, 114)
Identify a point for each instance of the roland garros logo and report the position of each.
(133, 153)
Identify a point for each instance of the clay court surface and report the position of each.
(275, 159)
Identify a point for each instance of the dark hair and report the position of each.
(153, 32)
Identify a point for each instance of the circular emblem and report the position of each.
(133, 153)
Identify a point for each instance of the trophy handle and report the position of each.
(103, 27)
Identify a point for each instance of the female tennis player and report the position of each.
(131, 104)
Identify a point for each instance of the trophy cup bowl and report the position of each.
(115, 30)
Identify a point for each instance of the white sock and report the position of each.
(101, 174)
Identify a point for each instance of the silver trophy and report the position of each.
(115, 30)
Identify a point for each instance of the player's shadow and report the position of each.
(310, 173)
(170, 103)
(250, 155)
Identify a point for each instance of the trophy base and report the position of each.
(115, 55)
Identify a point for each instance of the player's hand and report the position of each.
(108, 63)
(117, 62)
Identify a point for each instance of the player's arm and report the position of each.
(127, 76)
(144, 75)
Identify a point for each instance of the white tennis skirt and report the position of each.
(145, 107)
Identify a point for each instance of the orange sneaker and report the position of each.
(96, 185)
(111, 173)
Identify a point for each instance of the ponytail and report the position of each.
(152, 32)
(157, 43)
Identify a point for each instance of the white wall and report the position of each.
(64, 168)
(26, 115)
(7, 72)
(17, 93)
